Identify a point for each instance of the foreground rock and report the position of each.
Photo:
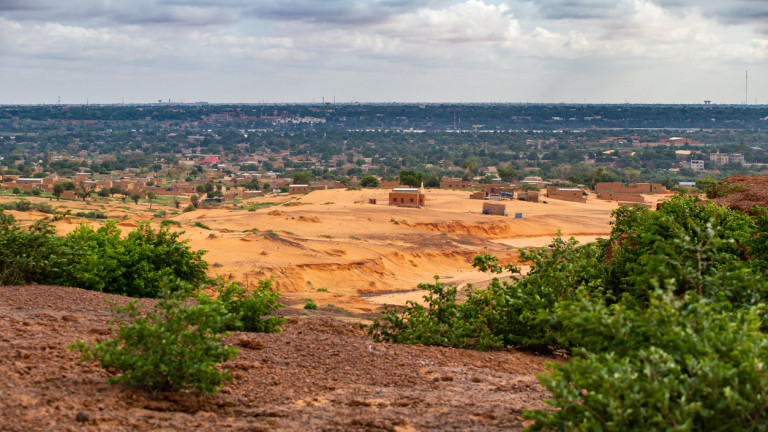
(319, 374)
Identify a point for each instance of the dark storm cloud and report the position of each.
(105, 13)
(730, 12)
(340, 12)
(580, 9)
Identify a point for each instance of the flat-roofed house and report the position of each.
(408, 197)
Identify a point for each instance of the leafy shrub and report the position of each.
(201, 225)
(91, 215)
(136, 265)
(310, 305)
(680, 364)
(248, 308)
(96, 259)
(168, 222)
(35, 254)
(24, 205)
(715, 189)
(444, 322)
(515, 312)
(173, 347)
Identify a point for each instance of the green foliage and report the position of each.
(310, 305)
(91, 215)
(303, 177)
(201, 225)
(248, 308)
(96, 259)
(369, 182)
(443, 322)
(509, 312)
(35, 254)
(714, 189)
(136, 265)
(680, 364)
(172, 347)
(411, 178)
(168, 222)
(24, 205)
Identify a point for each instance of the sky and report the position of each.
(257, 51)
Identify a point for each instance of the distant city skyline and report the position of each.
(429, 51)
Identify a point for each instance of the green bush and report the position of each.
(714, 189)
(201, 225)
(680, 364)
(136, 265)
(35, 254)
(443, 322)
(91, 215)
(173, 347)
(96, 259)
(310, 305)
(515, 312)
(248, 308)
(24, 205)
(168, 222)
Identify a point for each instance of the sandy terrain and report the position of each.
(334, 247)
(323, 372)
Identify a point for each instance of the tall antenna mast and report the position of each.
(746, 87)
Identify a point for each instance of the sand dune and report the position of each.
(333, 246)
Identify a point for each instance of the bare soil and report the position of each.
(755, 193)
(321, 373)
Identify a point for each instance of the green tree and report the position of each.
(369, 182)
(302, 177)
(150, 197)
(172, 347)
(136, 197)
(58, 190)
(411, 178)
(508, 173)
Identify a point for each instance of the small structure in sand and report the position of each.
(296, 189)
(494, 208)
(566, 194)
(408, 197)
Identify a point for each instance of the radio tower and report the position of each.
(746, 87)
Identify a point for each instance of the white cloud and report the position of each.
(375, 45)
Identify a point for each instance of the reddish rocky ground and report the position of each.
(321, 373)
(755, 193)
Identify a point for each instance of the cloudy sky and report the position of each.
(637, 51)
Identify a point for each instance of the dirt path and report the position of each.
(319, 374)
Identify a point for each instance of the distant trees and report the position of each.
(83, 192)
(507, 173)
(150, 197)
(302, 177)
(411, 178)
(136, 197)
(58, 190)
(369, 182)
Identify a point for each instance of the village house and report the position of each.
(494, 208)
(408, 197)
(297, 189)
(566, 194)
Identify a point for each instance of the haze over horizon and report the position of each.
(572, 51)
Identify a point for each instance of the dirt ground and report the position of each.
(321, 373)
(755, 193)
(336, 249)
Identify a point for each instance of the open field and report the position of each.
(335, 248)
